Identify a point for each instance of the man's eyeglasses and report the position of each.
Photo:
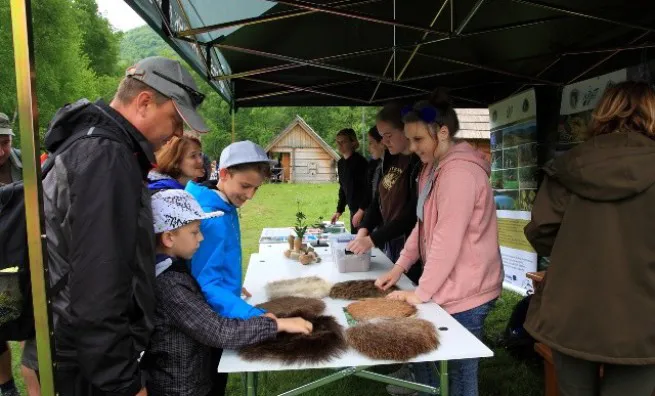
(427, 114)
(196, 97)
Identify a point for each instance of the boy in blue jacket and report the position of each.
(243, 167)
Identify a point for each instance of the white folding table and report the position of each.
(270, 265)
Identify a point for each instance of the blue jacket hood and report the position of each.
(209, 199)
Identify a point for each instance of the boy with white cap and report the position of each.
(179, 359)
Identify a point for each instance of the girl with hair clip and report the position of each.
(456, 235)
(352, 170)
(391, 216)
(594, 217)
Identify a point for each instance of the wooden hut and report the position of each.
(474, 128)
(304, 156)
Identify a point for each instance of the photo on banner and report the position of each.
(514, 172)
(580, 99)
(578, 102)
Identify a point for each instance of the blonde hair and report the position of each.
(627, 106)
(170, 156)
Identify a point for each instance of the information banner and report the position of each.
(514, 181)
(578, 102)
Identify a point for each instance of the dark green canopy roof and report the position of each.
(366, 52)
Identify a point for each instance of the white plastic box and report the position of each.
(348, 262)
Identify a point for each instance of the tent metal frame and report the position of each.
(338, 9)
(25, 68)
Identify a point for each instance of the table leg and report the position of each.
(443, 376)
(251, 384)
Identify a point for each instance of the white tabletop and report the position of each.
(270, 265)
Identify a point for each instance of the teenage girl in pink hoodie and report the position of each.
(456, 235)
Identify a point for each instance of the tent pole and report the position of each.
(234, 133)
(21, 22)
(418, 46)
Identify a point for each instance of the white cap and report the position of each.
(172, 209)
(244, 152)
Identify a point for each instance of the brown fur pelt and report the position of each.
(325, 342)
(283, 307)
(311, 287)
(393, 339)
(358, 289)
(374, 308)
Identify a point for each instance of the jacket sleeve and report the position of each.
(456, 196)
(410, 253)
(404, 223)
(341, 204)
(190, 313)
(547, 213)
(373, 216)
(222, 299)
(362, 191)
(105, 201)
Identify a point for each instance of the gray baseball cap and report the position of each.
(169, 78)
(244, 152)
(5, 125)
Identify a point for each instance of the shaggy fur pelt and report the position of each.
(312, 287)
(358, 289)
(393, 339)
(283, 307)
(325, 342)
(374, 308)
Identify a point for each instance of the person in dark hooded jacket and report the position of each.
(99, 226)
(595, 217)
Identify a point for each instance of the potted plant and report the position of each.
(300, 228)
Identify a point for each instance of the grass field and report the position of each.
(275, 206)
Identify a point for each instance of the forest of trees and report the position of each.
(79, 54)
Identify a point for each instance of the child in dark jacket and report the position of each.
(179, 359)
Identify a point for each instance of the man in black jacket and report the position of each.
(99, 225)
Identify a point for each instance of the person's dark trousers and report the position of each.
(393, 248)
(219, 380)
(577, 377)
(70, 382)
(414, 273)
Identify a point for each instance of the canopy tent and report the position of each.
(350, 52)
(366, 52)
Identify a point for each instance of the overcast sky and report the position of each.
(120, 14)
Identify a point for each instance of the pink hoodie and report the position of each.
(459, 234)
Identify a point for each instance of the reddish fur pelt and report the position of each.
(374, 308)
(393, 339)
(357, 290)
(284, 306)
(325, 342)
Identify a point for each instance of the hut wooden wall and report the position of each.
(310, 163)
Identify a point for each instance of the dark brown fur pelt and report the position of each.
(393, 339)
(374, 308)
(284, 307)
(325, 342)
(358, 289)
